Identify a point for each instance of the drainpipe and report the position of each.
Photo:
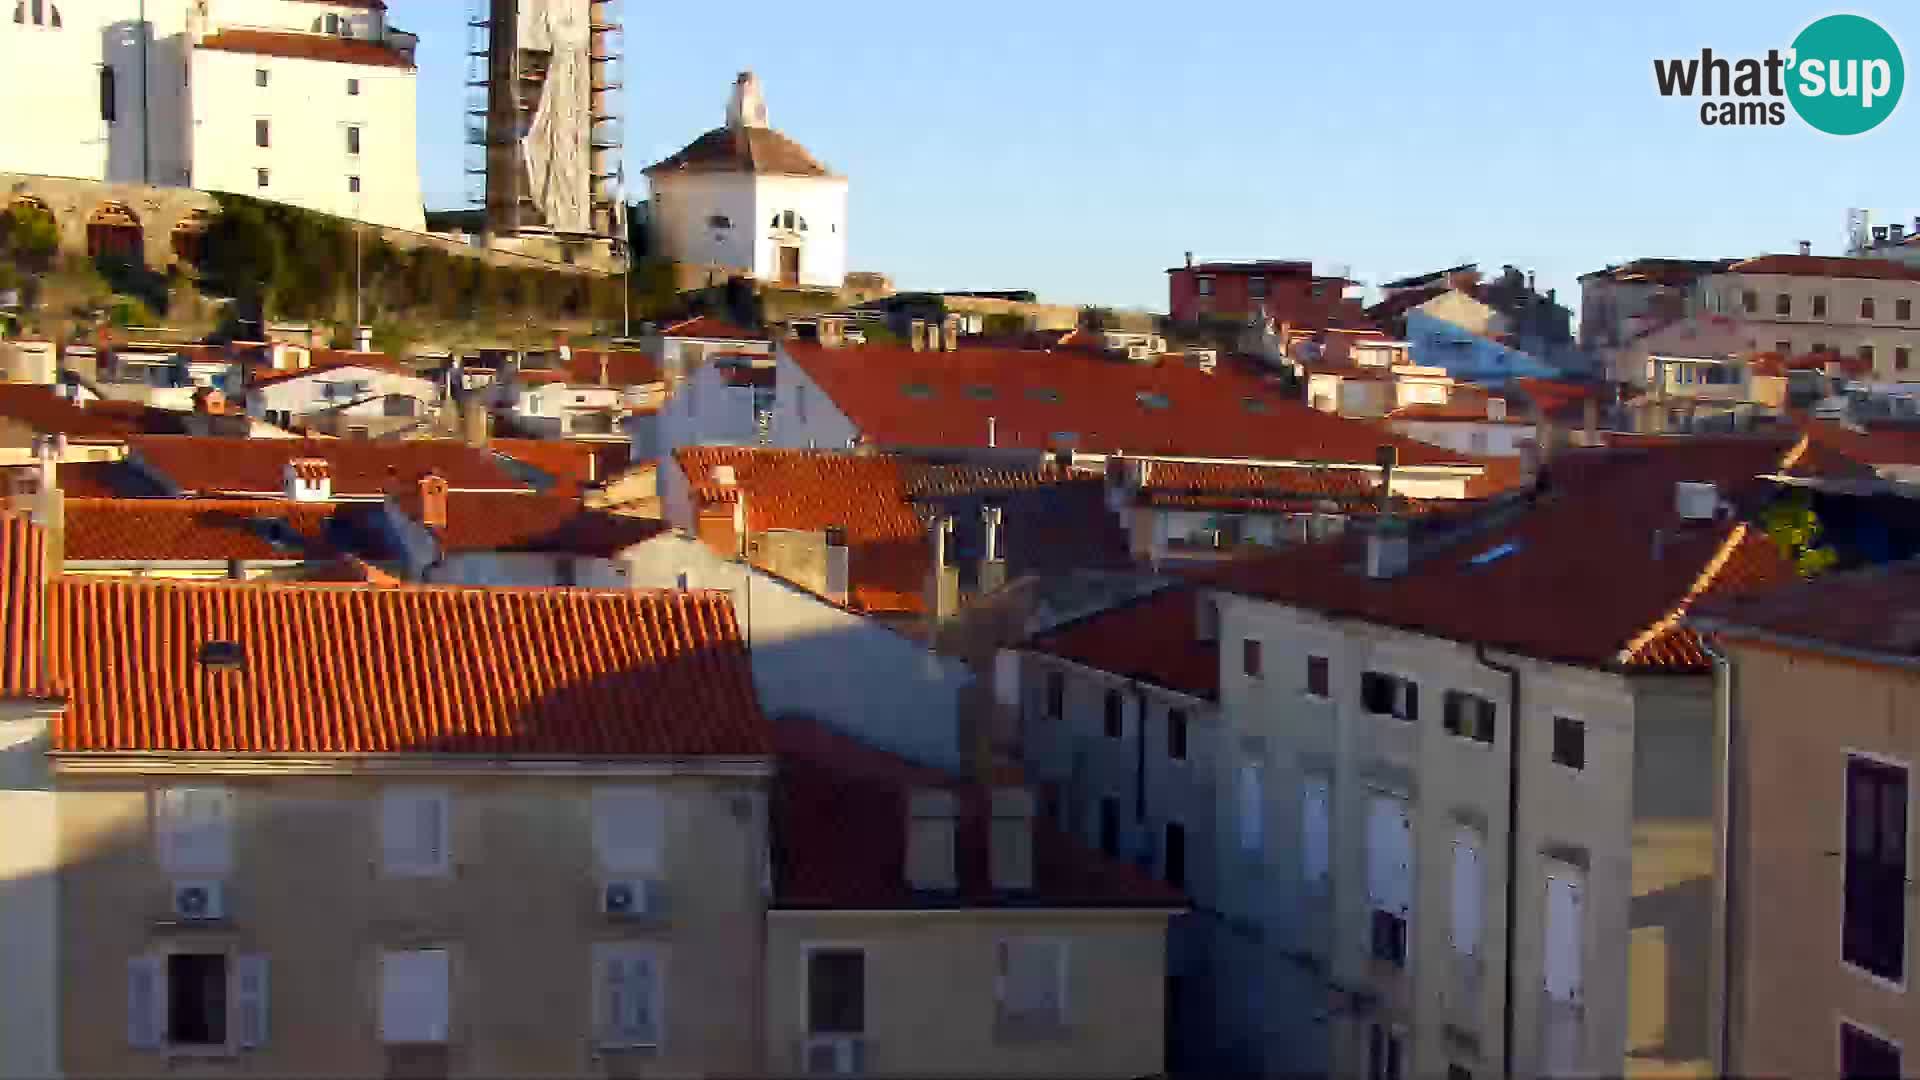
(1513, 854)
(1729, 807)
(146, 102)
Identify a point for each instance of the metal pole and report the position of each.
(146, 101)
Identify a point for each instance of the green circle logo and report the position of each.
(1846, 75)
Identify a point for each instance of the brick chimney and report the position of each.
(210, 401)
(950, 333)
(433, 500)
(475, 422)
(307, 480)
(932, 815)
(917, 335)
(832, 331)
(992, 572)
(36, 493)
(1010, 847)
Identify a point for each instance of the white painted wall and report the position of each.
(683, 209)
(803, 416)
(335, 386)
(29, 899)
(707, 411)
(686, 204)
(822, 201)
(1467, 437)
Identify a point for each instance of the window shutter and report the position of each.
(641, 985)
(1564, 936)
(1389, 856)
(628, 829)
(146, 1002)
(250, 999)
(1251, 800)
(1032, 975)
(413, 830)
(1315, 830)
(1467, 884)
(413, 996)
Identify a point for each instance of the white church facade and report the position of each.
(746, 198)
(307, 102)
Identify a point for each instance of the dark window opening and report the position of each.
(1115, 719)
(1250, 657)
(223, 655)
(837, 991)
(1750, 300)
(1866, 307)
(1783, 304)
(1177, 734)
(1819, 307)
(197, 999)
(260, 76)
(1389, 938)
(1110, 827)
(1319, 681)
(1569, 742)
(1176, 863)
(1903, 310)
(1874, 937)
(1390, 695)
(262, 133)
(1865, 1056)
(109, 96)
(1468, 716)
(353, 141)
(1056, 695)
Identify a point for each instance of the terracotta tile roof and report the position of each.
(47, 413)
(23, 604)
(1872, 445)
(191, 530)
(708, 328)
(369, 670)
(326, 361)
(900, 398)
(758, 150)
(1465, 404)
(1198, 478)
(569, 466)
(1826, 266)
(1562, 402)
(361, 468)
(625, 367)
(324, 47)
(1581, 583)
(1874, 611)
(840, 831)
(1661, 271)
(136, 417)
(889, 551)
(556, 524)
(1154, 639)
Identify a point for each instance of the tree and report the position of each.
(30, 236)
(1795, 529)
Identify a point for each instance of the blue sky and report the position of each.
(1078, 149)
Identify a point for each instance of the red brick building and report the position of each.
(1289, 289)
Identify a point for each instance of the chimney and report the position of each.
(992, 434)
(1010, 847)
(210, 401)
(48, 452)
(1496, 408)
(1896, 233)
(931, 820)
(1387, 550)
(307, 480)
(944, 581)
(1530, 281)
(603, 368)
(917, 335)
(433, 500)
(363, 339)
(1190, 255)
(1806, 247)
(832, 332)
(950, 333)
(992, 572)
(837, 564)
(475, 422)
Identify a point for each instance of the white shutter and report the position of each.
(626, 993)
(629, 826)
(250, 999)
(413, 830)
(1386, 840)
(1033, 977)
(1467, 886)
(1315, 830)
(1564, 937)
(146, 1002)
(413, 996)
(1251, 809)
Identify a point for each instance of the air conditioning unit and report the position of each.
(631, 898)
(199, 901)
(1139, 352)
(1696, 502)
(835, 1055)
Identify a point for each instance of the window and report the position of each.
(1866, 307)
(1389, 877)
(1565, 938)
(719, 221)
(1902, 358)
(1750, 301)
(1784, 348)
(197, 999)
(259, 76)
(1203, 286)
(1257, 288)
(353, 141)
(1252, 809)
(194, 830)
(1783, 305)
(626, 980)
(1903, 309)
(1056, 695)
(109, 95)
(1386, 1053)
(1819, 347)
(1569, 742)
(1115, 715)
(629, 826)
(353, 185)
(353, 87)
(260, 177)
(1319, 681)
(836, 991)
(1468, 882)
(1176, 855)
(1032, 983)
(1176, 734)
(413, 832)
(1468, 716)
(1390, 695)
(1866, 1056)
(1866, 355)
(1819, 306)
(1250, 657)
(1316, 832)
(413, 995)
(1874, 937)
(1110, 826)
(262, 133)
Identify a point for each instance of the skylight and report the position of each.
(1153, 400)
(918, 390)
(1493, 555)
(223, 655)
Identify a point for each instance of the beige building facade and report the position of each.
(1858, 308)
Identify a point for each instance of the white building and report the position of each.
(747, 198)
(345, 391)
(305, 102)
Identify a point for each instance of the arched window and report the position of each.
(788, 220)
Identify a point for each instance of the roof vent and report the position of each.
(223, 656)
(723, 475)
(1695, 502)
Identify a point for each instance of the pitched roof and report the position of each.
(374, 670)
(758, 150)
(840, 830)
(1394, 307)
(1660, 271)
(1581, 582)
(625, 367)
(1875, 611)
(194, 530)
(557, 524)
(326, 47)
(708, 328)
(1155, 639)
(1559, 400)
(327, 361)
(568, 465)
(1464, 404)
(362, 468)
(1826, 266)
(1872, 445)
(47, 413)
(897, 397)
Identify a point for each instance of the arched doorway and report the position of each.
(113, 232)
(189, 235)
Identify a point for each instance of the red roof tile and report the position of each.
(840, 829)
(897, 397)
(361, 468)
(47, 413)
(557, 524)
(1563, 402)
(191, 530)
(23, 603)
(625, 367)
(326, 361)
(1581, 583)
(759, 150)
(324, 47)
(1155, 639)
(1874, 445)
(571, 466)
(1874, 611)
(1828, 266)
(707, 328)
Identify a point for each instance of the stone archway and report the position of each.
(113, 231)
(189, 233)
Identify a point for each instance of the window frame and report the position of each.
(810, 949)
(1113, 714)
(262, 77)
(1168, 831)
(1406, 706)
(613, 860)
(1817, 305)
(1868, 308)
(229, 1022)
(1783, 304)
(353, 87)
(1879, 761)
(1903, 309)
(263, 133)
(1472, 709)
(448, 1002)
(165, 821)
(603, 1036)
(1865, 1031)
(1553, 746)
(1324, 667)
(1252, 658)
(354, 141)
